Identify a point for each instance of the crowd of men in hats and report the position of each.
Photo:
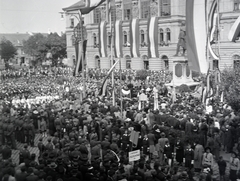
(91, 139)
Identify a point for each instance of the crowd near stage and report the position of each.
(50, 131)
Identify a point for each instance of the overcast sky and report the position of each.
(32, 15)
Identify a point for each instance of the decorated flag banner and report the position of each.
(81, 54)
(85, 6)
(118, 41)
(234, 32)
(134, 38)
(212, 24)
(196, 35)
(102, 39)
(153, 37)
(105, 81)
(90, 5)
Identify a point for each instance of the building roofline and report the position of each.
(75, 6)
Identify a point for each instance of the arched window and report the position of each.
(236, 5)
(71, 22)
(215, 64)
(142, 36)
(124, 37)
(109, 39)
(145, 62)
(128, 62)
(94, 39)
(98, 62)
(166, 62)
(161, 35)
(236, 61)
(74, 60)
(168, 35)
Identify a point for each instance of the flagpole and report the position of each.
(121, 103)
(218, 28)
(207, 53)
(113, 88)
(107, 10)
(83, 68)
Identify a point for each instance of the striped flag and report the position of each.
(105, 81)
(80, 54)
(153, 37)
(102, 39)
(234, 32)
(196, 36)
(118, 41)
(212, 24)
(90, 5)
(134, 38)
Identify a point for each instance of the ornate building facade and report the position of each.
(171, 15)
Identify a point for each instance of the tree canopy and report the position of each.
(7, 49)
(230, 84)
(39, 45)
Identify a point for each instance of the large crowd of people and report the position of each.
(89, 138)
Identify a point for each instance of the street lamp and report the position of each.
(79, 34)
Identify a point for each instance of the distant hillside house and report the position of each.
(17, 39)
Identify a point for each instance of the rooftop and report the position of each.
(75, 6)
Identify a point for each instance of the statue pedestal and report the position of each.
(181, 73)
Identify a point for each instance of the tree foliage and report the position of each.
(142, 74)
(7, 49)
(39, 45)
(230, 84)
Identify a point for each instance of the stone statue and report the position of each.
(181, 41)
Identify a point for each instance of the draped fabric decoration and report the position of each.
(209, 97)
(118, 41)
(126, 92)
(212, 24)
(196, 36)
(208, 81)
(90, 5)
(102, 39)
(222, 98)
(105, 81)
(134, 38)
(217, 80)
(204, 95)
(234, 32)
(155, 92)
(81, 54)
(153, 37)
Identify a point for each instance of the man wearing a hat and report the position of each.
(11, 134)
(24, 155)
(5, 131)
(31, 133)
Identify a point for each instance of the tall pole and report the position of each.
(107, 10)
(218, 24)
(121, 97)
(111, 48)
(208, 39)
(83, 61)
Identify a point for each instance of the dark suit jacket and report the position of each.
(21, 176)
(151, 138)
(6, 153)
(32, 178)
